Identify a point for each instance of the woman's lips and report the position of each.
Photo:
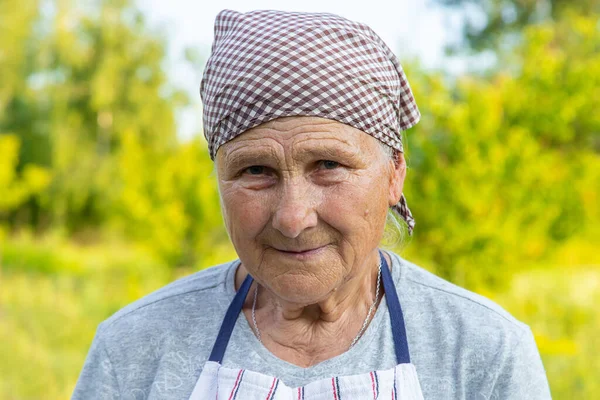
(302, 254)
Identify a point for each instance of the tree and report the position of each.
(93, 149)
(495, 25)
(505, 169)
(78, 78)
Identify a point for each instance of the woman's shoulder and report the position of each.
(158, 339)
(202, 294)
(464, 344)
(451, 303)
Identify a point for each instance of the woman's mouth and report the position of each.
(302, 254)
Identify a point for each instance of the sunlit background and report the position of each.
(107, 192)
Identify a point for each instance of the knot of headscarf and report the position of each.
(268, 64)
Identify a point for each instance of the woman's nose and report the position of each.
(295, 210)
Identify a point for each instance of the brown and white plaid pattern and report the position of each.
(268, 64)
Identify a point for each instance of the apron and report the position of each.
(400, 382)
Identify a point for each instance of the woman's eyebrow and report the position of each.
(333, 152)
(240, 158)
(245, 156)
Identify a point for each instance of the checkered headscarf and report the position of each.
(268, 64)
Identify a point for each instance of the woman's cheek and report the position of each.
(338, 208)
(353, 210)
(248, 211)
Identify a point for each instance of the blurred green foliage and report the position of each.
(88, 136)
(53, 294)
(100, 203)
(560, 305)
(495, 25)
(505, 170)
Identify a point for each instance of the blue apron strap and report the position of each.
(228, 323)
(396, 316)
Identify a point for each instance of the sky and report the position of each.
(411, 28)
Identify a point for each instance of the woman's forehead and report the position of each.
(299, 134)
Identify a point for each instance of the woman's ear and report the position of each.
(398, 173)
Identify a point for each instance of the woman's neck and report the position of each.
(305, 335)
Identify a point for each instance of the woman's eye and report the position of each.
(328, 164)
(255, 170)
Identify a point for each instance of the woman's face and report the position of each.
(304, 200)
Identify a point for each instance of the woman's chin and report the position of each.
(301, 290)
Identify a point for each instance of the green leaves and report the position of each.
(502, 168)
(17, 187)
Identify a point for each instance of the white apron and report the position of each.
(398, 383)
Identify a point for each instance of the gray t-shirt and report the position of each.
(462, 344)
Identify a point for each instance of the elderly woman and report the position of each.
(303, 114)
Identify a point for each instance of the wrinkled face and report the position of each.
(305, 201)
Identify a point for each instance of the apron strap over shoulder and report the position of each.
(228, 323)
(395, 312)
